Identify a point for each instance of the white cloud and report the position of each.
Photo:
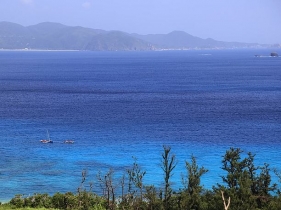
(26, 1)
(86, 4)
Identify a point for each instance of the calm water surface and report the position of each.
(116, 105)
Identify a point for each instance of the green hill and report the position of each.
(55, 36)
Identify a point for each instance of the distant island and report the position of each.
(55, 36)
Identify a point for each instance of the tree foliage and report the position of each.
(191, 194)
(168, 165)
(244, 186)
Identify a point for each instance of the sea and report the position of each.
(121, 107)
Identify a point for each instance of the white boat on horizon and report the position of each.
(48, 140)
(68, 142)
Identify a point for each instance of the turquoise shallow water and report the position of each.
(116, 105)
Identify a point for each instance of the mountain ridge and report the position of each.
(56, 36)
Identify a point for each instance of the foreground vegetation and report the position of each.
(245, 186)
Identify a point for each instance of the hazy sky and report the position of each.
(224, 20)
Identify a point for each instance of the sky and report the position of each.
(251, 21)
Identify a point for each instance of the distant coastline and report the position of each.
(57, 37)
(38, 50)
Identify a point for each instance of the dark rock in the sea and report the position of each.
(273, 54)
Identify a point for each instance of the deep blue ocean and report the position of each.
(116, 105)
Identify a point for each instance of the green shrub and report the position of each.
(38, 201)
(58, 201)
(17, 201)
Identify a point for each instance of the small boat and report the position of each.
(273, 54)
(45, 141)
(68, 142)
(48, 140)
